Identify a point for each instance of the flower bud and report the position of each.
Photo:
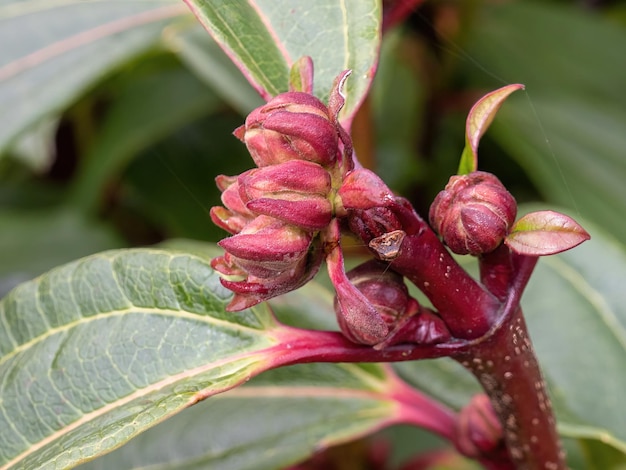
(372, 304)
(272, 258)
(478, 430)
(363, 189)
(384, 289)
(372, 223)
(267, 246)
(291, 126)
(234, 217)
(473, 213)
(295, 192)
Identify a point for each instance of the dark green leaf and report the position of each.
(264, 38)
(580, 336)
(34, 241)
(575, 306)
(204, 57)
(53, 51)
(146, 109)
(568, 132)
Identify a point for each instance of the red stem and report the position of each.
(420, 410)
(467, 308)
(507, 368)
(496, 270)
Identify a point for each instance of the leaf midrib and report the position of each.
(254, 356)
(181, 314)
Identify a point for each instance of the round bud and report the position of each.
(473, 213)
(291, 126)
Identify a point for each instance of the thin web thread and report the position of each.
(454, 49)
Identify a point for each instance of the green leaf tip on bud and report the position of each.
(478, 121)
(473, 213)
(301, 75)
(545, 233)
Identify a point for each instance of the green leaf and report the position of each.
(172, 182)
(53, 51)
(567, 133)
(478, 121)
(33, 241)
(204, 57)
(580, 336)
(148, 106)
(96, 351)
(264, 38)
(281, 417)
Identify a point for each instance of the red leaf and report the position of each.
(545, 233)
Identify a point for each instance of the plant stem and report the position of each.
(418, 409)
(507, 368)
(468, 309)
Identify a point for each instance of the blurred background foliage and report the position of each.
(115, 117)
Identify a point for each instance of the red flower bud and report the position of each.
(272, 258)
(358, 319)
(384, 289)
(292, 126)
(478, 431)
(267, 246)
(362, 189)
(235, 216)
(295, 192)
(423, 327)
(372, 223)
(473, 213)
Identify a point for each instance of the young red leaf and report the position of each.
(478, 121)
(545, 233)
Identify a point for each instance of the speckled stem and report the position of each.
(506, 366)
(468, 309)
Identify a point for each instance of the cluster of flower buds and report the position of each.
(284, 220)
(278, 212)
(473, 213)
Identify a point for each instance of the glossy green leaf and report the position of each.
(96, 351)
(147, 107)
(203, 56)
(53, 51)
(264, 38)
(281, 417)
(567, 133)
(580, 336)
